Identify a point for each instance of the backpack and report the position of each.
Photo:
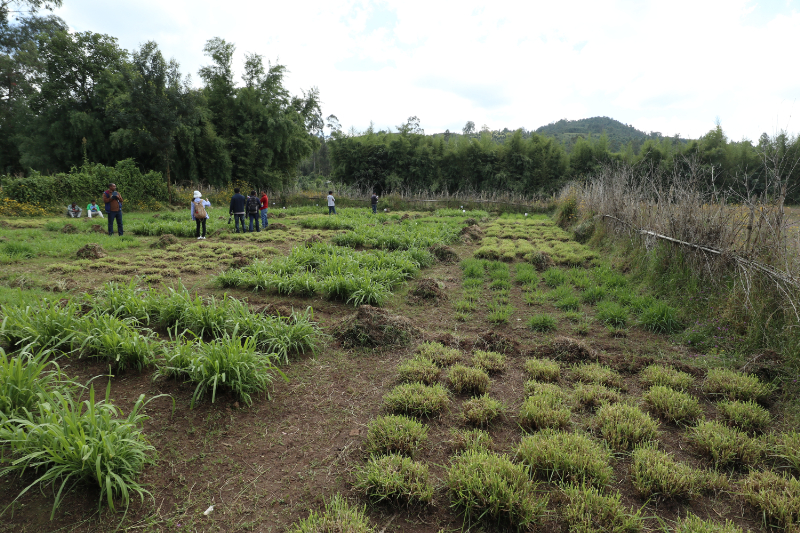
(253, 204)
(200, 210)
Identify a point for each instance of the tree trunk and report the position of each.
(169, 187)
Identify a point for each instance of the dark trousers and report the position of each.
(264, 219)
(111, 216)
(331, 210)
(236, 220)
(200, 222)
(257, 218)
(374, 208)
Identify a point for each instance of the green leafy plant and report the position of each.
(467, 380)
(624, 426)
(395, 434)
(665, 376)
(787, 448)
(396, 479)
(499, 313)
(525, 274)
(45, 325)
(566, 458)
(482, 411)
(117, 341)
(594, 294)
(672, 405)
(417, 399)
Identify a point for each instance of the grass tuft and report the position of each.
(776, 496)
(490, 362)
(731, 385)
(694, 524)
(665, 376)
(396, 479)
(673, 406)
(439, 353)
(597, 374)
(482, 411)
(747, 416)
(338, 515)
(726, 445)
(395, 434)
(624, 426)
(655, 473)
(542, 323)
(566, 458)
(544, 410)
(467, 380)
(417, 399)
(419, 369)
(660, 318)
(464, 440)
(592, 396)
(543, 369)
(589, 510)
(612, 314)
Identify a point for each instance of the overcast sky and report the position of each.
(670, 66)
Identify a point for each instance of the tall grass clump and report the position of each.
(589, 509)
(624, 426)
(117, 341)
(68, 441)
(656, 473)
(23, 376)
(396, 479)
(566, 458)
(395, 434)
(338, 515)
(48, 324)
(660, 318)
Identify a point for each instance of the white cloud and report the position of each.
(667, 66)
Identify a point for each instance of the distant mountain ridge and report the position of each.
(619, 134)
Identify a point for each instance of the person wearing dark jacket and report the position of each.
(113, 201)
(237, 209)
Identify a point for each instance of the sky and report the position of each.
(676, 67)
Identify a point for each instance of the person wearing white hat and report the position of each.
(200, 214)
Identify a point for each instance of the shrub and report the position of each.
(68, 441)
(419, 369)
(463, 379)
(566, 457)
(612, 314)
(544, 410)
(597, 374)
(747, 416)
(470, 440)
(654, 472)
(337, 516)
(694, 524)
(395, 434)
(554, 277)
(543, 369)
(417, 399)
(660, 318)
(725, 445)
(395, 478)
(542, 323)
(589, 510)
(672, 405)
(439, 354)
(732, 385)
(665, 376)
(776, 496)
(592, 395)
(490, 362)
(482, 411)
(489, 487)
(624, 426)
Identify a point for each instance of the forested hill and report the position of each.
(619, 134)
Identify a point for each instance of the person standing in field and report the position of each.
(374, 201)
(200, 214)
(93, 210)
(237, 209)
(264, 209)
(253, 204)
(331, 203)
(113, 201)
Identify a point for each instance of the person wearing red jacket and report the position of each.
(264, 206)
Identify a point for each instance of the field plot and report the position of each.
(399, 372)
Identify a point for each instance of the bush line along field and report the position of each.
(418, 372)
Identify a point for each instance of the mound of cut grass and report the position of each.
(338, 515)
(467, 380)
(490, 362)
(655, 473)
(543, 369)
(673, 406)
(417, 399)
(592, 396)
(730, 385)
(591, 510)
(747, 416)
(566, 457)
(396, 479)
(665, 376)
(726, 445)
(482, 411)
(440, 354)
(395, 434)
(597, 374)
(776, 496)
(464, 440)
(624, 426)
(419, 369)
(544, 410)
(488, 487)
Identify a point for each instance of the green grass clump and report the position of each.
(570, 303)
(525, 274)
(747, 416)
(544, 410)
(470, 440)
(554, 277)
(499, 284)
(590, 510)
(543, 369)
(566, 458)
(396, 479)
(482, 411)
(488, 487)
(673, 406)
(468, 380)
(592, 395)
(534, 297)
(725, 445)
(597, 374)
(665, 376)
(499, 313)
(464, 306)
(731, 385)
(417, 399)
(542, 323)
(594, 294)
(23, 375)
(655, 473)
(787, 449)
(612, 314)
(610, 278)
(419, 369)
(43, 325)
(117, 341)
(67, 442)
(694, 524)
(776, 496)
(473, 268)
(490, 362)
(338, 515)
(395, 434)
(579, 278)
(440, 354)
(624, 426)
(660, 318)
(533, 387)
(559, 293)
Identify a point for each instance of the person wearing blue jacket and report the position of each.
(237, 208)
(200, 213)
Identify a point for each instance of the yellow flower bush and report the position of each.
(13, 208)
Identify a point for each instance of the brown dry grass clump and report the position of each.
(374, 327)
(566, 349)
(91, 251)
(444, 254)
(471, 233)
(165, 240)
(428, 289)
(492, 341)
(97, 228)
(277, 225)
(69, 228)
